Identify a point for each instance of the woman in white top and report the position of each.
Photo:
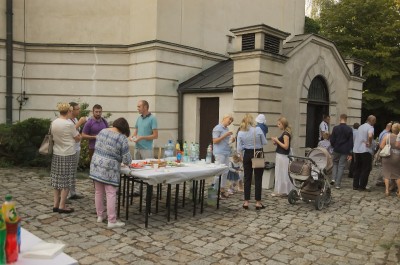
(283, 185)
(250, 138)
(63, 164)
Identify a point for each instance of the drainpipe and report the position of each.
(9, 61)
(180, 117)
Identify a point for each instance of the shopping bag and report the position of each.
(46, 148)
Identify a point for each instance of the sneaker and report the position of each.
(231, 191)
(332, 181)
(99, 219)
(337, 187)
(115, 225)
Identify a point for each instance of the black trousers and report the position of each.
(362, 168)
(248, 173)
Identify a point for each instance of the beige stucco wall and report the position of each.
(202, 24)
(100, 51)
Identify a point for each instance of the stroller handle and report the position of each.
(291, 157)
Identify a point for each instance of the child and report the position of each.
(235, 174)
(261, 123)
(325, 143)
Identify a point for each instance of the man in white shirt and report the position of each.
(363, 153)
(78, 123)
(324, 127)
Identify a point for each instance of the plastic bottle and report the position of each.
(197, 155)
(209, 154)
(3, 234)
(8, 209)
(212, 194)
(11, 247)
(192, 152)
(12, 222)
(169, 149)
(185, 152)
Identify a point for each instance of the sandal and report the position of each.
(259, 207)
(70, 210)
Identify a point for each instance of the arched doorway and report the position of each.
(317, 106)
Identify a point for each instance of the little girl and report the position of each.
(235, 174)
(325, 143)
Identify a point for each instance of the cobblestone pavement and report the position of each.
(357, 228)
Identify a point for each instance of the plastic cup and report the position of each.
(155, 166)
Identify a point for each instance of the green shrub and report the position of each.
(19, 142)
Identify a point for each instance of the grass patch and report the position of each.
(389, 245)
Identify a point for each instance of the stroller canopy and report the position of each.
(322, 158)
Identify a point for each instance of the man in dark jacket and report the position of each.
(342, 143)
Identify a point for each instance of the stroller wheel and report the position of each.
(293, 197)
(328, 196)
(319, 202)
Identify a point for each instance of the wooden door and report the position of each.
(209, 118)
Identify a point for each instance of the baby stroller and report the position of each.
(310, 176)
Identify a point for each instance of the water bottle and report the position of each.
(192, 152)
(169, 149)
(209, 154)
(212, 195)
(197, 150)
(185, 152)
(3, 234)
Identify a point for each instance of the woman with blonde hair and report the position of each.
(221, 137)
(283, 185)
(250, 138)
(390, 164)
(63, 164)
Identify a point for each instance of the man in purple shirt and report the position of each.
(92, 128)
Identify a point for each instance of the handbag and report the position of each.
(385, 152)
(46, 148)
(256, 161)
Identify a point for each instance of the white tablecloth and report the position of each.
(28, 240)
(176, 175)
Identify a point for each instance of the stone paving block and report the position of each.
(352, 230)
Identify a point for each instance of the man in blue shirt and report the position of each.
(145, 132)
(363, 152)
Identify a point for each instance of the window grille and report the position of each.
(248, 41)
(271, 44)
(357, 70)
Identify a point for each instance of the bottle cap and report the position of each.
(8, 197)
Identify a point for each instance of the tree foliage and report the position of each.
(311, 26)
(369, 30)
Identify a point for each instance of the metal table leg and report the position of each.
(149, 193)
(168, 203)
(176, 200)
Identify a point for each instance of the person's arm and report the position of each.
(383, 142)
(126, 155)
(81, 121)
(370, 139)
(152, 136)
(398, 141)
(285, 144)
(86, 131)
(222, 137)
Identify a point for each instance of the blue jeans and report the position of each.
(339, 163)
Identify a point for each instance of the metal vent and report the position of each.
(248, 41)
(271, 44)
(357, 70)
